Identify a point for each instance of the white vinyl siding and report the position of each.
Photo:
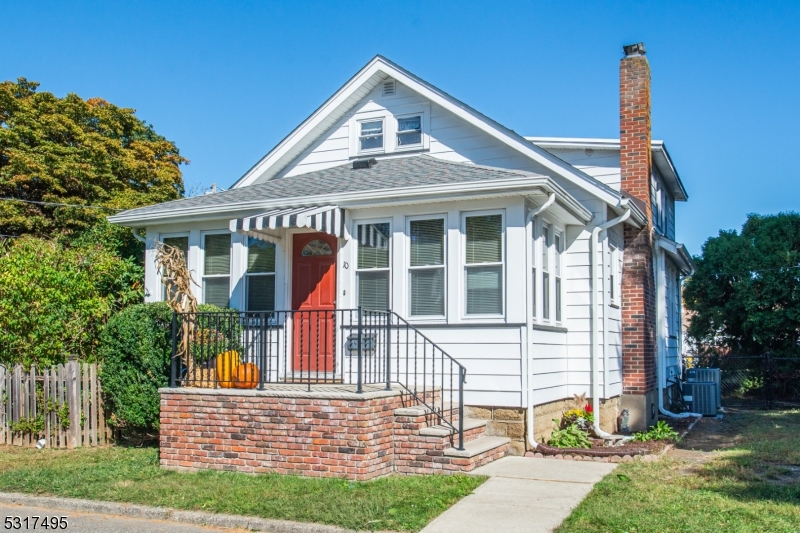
(483, 264)
(260, 275)
(217, 269)
(426, 269)
(181, 242)
(373, 268)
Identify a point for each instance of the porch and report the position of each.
(330, 392)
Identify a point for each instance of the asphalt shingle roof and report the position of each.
(387, 174)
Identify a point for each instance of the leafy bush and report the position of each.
(136, 349)
(661, 431)
(570, 437)
(55, 300)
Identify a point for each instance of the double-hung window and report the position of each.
(409, 131)
(181, 243)
(426, 270)
(260, 275)
(614, 276)
(557, 251)
(483, 268)
(533, 269)
(370, 135)
(217, 269)
(546, 232)
(373, 270)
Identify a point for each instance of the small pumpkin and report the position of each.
(245, 376)
(227, 362)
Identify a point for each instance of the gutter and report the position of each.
(594, 268)
(529, 322)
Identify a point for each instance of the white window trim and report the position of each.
(465, 266)
(409, 268)
(534, 272)
(358, 269)
(615, 281)
(547, 249)
(202, 265)
(247, 275)
(558, 274)
(161, 237)
(389, 117)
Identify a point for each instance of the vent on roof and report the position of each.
(364, 163)
(388, 88)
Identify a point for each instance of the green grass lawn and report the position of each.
(404, 503)
(753, 485)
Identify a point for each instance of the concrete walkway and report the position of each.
(523, 494)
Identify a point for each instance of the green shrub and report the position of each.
(135, 350)
(55, 300)
(661, 431)
(570, 437)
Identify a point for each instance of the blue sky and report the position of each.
(227, 80)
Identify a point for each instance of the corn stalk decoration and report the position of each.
(178, 280)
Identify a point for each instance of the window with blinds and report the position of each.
(217, 269)
(168, 289)
(557, 241)
(373, 270)
(483, 269)
(260, 275)
(546, 272)
(533, 270)
(427, 267)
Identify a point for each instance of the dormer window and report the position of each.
(370, 136)
(409, 131)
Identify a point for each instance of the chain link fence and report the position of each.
(753, 381)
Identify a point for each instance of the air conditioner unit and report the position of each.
(707, 374)
(703, 395)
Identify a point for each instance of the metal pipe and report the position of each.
(173, 370)
(595, 312)
(359, 389)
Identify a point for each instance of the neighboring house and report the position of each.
(548, 267)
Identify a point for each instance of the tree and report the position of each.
(81, 152)
(55, 300)
(745, 294)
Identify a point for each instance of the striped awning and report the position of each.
(266, 226)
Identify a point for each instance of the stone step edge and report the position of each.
(418, 411)
(445, 431)
(477, 447)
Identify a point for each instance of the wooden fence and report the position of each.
(62, 404)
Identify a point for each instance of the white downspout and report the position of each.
(661, 328)
(594, 268)
(529, 320)
(139, 238)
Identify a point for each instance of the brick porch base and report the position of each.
(329, 432)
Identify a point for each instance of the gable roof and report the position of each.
(360, 85)
(402, 179)
(661, 157)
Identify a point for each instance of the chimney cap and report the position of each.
(633, 50)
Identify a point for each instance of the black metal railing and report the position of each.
(359, 347)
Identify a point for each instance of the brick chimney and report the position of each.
(638, 286)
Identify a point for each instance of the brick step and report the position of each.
(474, 428)
(476, 453)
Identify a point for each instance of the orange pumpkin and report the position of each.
(227, 362)
(245, 376)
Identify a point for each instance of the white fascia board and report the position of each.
(382, 67)
(395, 196)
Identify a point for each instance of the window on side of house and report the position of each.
(370, 135)
(558, 239)
(373, 271)
(181, 243)
(614, 276)
(483, 265)
(409, 131)
(217, 269)
(533, 269)
(426, 270)
(546, 231)
(260, 275)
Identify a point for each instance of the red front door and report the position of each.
(314, 297)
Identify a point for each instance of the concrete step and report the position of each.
(477, 447)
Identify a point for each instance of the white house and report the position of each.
(547, 266)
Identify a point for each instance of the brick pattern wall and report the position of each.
(257, 434)
(638, 288)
